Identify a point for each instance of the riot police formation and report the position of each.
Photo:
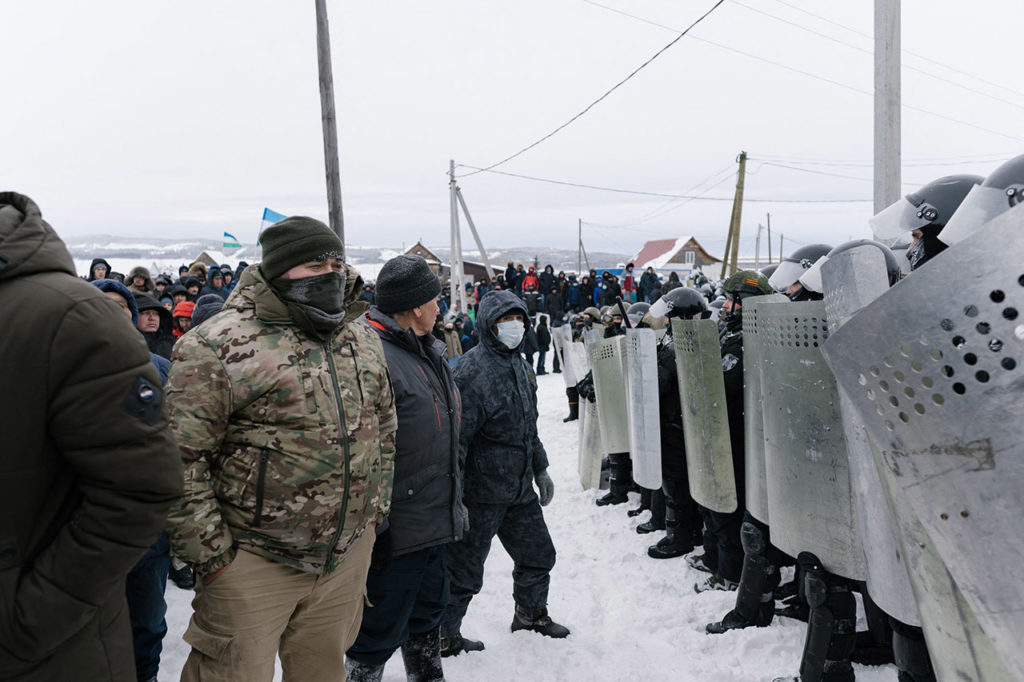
(825, 469)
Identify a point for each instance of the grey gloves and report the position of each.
(546, 487)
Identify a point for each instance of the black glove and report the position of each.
(585, 387)
(380, 559)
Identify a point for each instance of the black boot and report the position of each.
(363, 672)
(182, 576)
(456, 644)
(645, 503)
(755, 600)
(574, 404)
(831, 627)
(674, 544)
(911, 653)
(658, 513)
(538, 620)
(620, 478)
(422, 656)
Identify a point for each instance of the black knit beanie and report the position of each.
(294, 241)
(404, 283)
(207, 306)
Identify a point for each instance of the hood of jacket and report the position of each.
(27, 242)
(95, 262)
(140, 271)
(493, 306)
(106, 285)
(253, 291)
(403, 338)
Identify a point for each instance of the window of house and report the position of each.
(688, 257)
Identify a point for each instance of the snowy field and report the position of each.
(632, 617)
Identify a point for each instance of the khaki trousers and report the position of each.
(258, 608)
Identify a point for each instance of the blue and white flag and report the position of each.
(231, 241)
(269, 218)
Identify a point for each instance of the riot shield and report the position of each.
(808, 477)
(938, 385)
(642, 402)
(754, 396)
(851, 280)
(608, 363)
(590, 452)
(705, 418)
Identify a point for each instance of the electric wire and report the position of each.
(606, 94)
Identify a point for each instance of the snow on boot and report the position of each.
(538, 620)
(456, 644)
(755, 601)
(422, 656)
(362, 672)
(699, 563)
(716, 583)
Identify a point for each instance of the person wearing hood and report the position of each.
(199, 271)
(229, 276)
(160, 284)
(649, 285)
(672, 283)
(139, 280)
(98, 269)
(285, 418)
(182, 318)
(178, 293)
(408, 580)
(501, 456)
(192, 286)
(215, 285)
(206, 307)
(155, 324)
(90, 467)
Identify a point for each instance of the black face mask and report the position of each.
(316, 304)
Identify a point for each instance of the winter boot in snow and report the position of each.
(755, 600)
(699, 563)
(911, 653)
(422, 656)
(645, 503)
(620, 478)
(456, 644)
(574, 404)
(362, 672)
(538, 620)
(674, 544)
(832, 626)
(658, 515)
(715, 582)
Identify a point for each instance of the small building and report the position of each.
(435, 264)
(683, 255)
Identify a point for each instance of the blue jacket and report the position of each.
(499, 448)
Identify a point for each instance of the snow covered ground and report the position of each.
(632, 617)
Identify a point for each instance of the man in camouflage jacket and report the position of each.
(285, 418)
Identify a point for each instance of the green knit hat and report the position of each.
(294, 241)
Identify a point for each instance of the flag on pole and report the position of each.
(269, 218)
(231, 241)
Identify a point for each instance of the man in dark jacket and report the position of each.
(408, 580)
(89, 467)
(156, 325)
(501, 457)
(98, 269)
(215, 285)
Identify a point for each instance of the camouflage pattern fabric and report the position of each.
(288, 442)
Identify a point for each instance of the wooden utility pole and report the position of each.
(887, 103)
(733, 242)
(323, 54)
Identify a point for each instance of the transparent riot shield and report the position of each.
(851, 280)
(705, 418)
(934, 370)
(590, 451)
(754, 397)
(642, 402)
(608, 363)
(808, 477)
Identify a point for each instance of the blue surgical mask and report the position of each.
(511, 333)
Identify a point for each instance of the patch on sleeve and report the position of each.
(143, 401)
(729, 361)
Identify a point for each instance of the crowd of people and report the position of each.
(327, 462)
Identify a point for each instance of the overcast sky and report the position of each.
(188, 118)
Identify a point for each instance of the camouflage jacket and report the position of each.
(257, 407)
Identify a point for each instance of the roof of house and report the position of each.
(658, 253)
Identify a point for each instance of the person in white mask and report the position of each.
(501, 457)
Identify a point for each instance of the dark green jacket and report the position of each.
(88, 467)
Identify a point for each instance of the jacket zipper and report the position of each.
(261, 478)
(433, 393)
(344, 439)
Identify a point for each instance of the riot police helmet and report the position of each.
(794, 265)
(682, 302)
(769, 270)
(636, 312)
(811, 279)
(927, 209)
(1002, 190)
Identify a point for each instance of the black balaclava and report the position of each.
(316, 304)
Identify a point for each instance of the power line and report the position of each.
(692, 197)
(866, 163)
(1002, 86)
(613, 89)
(811, 75)
(871, 52)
